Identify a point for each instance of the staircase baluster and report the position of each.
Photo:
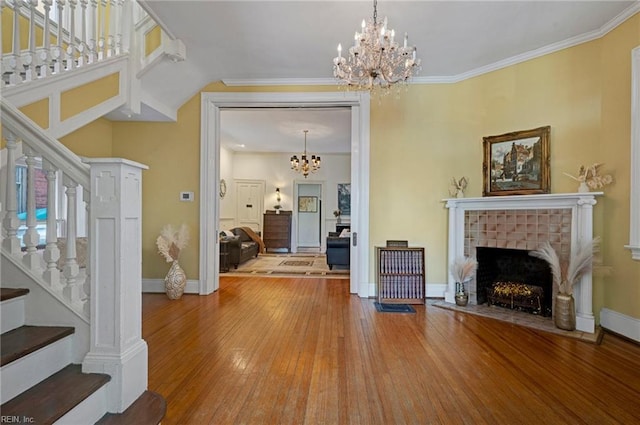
(15, 60)
(51, 251)
(93, 30)
(112, 28)
(103, 25)
(10, 223)
(31, 237)
(82, 47)
(71, 46)
(72, 288)
(58, 53)
(44, 54)
(117, 17)
(28, 59)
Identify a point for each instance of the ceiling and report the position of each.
(271, 42)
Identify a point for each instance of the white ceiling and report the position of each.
(273, 41)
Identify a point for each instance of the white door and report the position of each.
(249, 204)
(309, 215)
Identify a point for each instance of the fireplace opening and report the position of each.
(512, 278)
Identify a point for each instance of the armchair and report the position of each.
(338, 251)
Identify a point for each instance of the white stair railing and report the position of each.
(62, 278)
(84, 32)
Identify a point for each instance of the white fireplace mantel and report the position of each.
(581, 205)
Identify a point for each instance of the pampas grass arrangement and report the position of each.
(566, 274)
(171, 241)
(462, 269)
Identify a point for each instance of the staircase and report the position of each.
(41, 384)
(71, 344)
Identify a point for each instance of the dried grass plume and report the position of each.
(566, 275)
(463, 268)
(171, 241)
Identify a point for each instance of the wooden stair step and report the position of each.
(148, 409)
(27, 339)
(9, 293)
(52, 398)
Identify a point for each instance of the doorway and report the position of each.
(309, 217)
(212, 103)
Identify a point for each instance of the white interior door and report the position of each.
(249, 204)
(309, 217)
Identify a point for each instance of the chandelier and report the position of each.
(375, 59)
(303, 165)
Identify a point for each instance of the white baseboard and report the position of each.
(620, 323)
(157, 286)
(436, 290)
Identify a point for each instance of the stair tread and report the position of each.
(9, 293)
(52, 398)
(26, 339)
(148, 409)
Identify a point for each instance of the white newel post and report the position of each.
(117, 347)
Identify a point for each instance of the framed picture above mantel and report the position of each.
(517, 163)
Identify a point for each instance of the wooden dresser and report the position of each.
(277, 230)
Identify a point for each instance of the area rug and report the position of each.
(394, 308)
(288, 264)
(297, 263)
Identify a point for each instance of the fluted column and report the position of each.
(583, 291)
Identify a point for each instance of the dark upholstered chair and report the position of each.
(241, 248)
(338, 251)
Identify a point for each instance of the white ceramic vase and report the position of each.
(175, 281)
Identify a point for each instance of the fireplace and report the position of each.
(530, 276)
(523, 222)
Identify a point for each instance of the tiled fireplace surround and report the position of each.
(524, 222)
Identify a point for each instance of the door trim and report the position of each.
(211, 103)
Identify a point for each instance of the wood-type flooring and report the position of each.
(305, 351)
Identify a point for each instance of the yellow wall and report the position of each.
(93, 140)
(432, 133)
(81, 98)
(152, 40)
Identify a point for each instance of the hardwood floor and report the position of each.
(304, 351)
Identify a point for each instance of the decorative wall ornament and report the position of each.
(590, 178)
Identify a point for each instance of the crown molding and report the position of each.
(444, 79)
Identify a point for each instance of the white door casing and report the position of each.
(211, 103)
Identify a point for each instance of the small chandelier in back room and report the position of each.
(303, 165)
(375, 59)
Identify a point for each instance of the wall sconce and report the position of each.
(278, 198)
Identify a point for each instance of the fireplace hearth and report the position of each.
(512, 278)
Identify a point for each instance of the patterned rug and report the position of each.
(295, 265)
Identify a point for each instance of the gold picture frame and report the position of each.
(517, 163)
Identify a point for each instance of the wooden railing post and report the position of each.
(70, 270)
(116, 346)
(44, 56)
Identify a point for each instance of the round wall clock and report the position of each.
(223, 188)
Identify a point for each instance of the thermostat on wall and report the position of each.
(186, 196)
